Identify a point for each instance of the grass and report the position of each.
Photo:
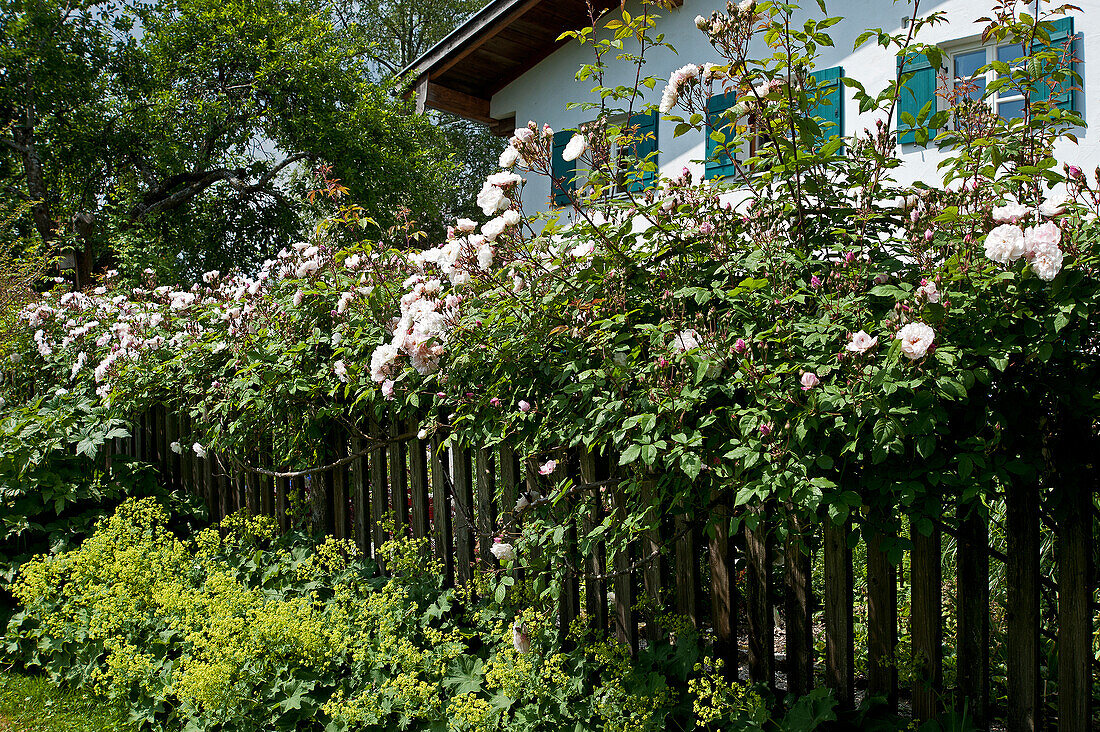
(35, 704)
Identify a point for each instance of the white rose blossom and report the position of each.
(575, 147)
(916, 339)
(1005, 243)
(861, 342)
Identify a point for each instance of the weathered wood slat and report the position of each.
(799, 608)
(171, 436)
(687, 571)
(485, 478)
(340, 503)
(282, 503)
(1075, 657)
(267, 482)
(399, 480)
(626, 622)
(839, 645)
(359, 495)
(925, 622)
(1022, 611)
(595, 591)
(973, 614)
(758, 594)
(653, 575)
(418, 485)
(298, 490)
(187, 455)
(463, 515)
(441, 511)
(379, 498)
(721, 555)
(882, 612)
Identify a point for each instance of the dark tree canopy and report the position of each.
(184, 134)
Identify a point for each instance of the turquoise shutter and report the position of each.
(831, 101)
(719, 164)
(644, 132)
(563, 180)
(1060, 34)
(917, 78)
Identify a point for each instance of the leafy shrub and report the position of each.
(239, 629)
(54, 482)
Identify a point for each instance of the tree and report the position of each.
(182, 136)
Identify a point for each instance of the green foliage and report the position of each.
(236, 629)
(183, 135)
(36, 704)
(54, 484)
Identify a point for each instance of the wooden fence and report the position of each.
(734, 587)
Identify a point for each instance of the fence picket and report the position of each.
(723, 579)
(653, 575)
(1074, 614)
(925, 624)
(341, 528)
(626, 623)
(379, 500)
(485, 478)
(973, 618)
(687, 571)
(882, 612)
(595, 591)
(1022, 611)
(799, 608)
(418, 484)
(761, 620)
(463, 515)
(399, 479)
(839, 645)
(441, 511)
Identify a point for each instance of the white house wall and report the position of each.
(543, 93)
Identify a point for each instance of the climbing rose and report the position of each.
(509, 157)
(916, 339)
(809, 380)
(861, 342)
(1036, 237)
(548, 467)
(1046, 262)
(340, 370)
(524, 406)
(503, 551)
(928, 291)
(199, 450)
(1012, 213)
(575, 148)
(1005, 244)
(387, 389)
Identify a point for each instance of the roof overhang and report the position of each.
(496, 46)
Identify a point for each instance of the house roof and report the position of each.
(500, 42)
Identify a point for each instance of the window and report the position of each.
(1008, 102)
(636, 141)
(723, 163)
(919, 94)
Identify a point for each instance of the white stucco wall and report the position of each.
(542, 93)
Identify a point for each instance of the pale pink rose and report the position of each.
(1046, 262)
(928, 291)
(524, 406)
(740, 346)
(1005, 243)
(916, 339)
(387, 389)
(809, 380)
(1044, 235)
(503, 551)
(1010, 213)
(861, 342)
(548, 467)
